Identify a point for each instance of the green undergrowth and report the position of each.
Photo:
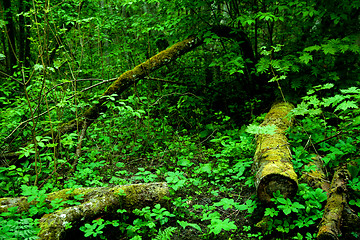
(208, 171)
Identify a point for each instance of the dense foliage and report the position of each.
(191, 123)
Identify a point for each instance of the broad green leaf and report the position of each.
(306, 58)
(312, 48)
(184, 224)
(255, 129)
(346, 105)
(329, 49)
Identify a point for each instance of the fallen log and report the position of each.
(272, 159)
(96, 202)
(337, 212)
(316, 178)
(329, 227)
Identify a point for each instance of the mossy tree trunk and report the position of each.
(329, 227)
(95, 202)
(272, 160)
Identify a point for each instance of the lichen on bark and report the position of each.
(272, 160)
(103, 201)
(329, 227)
(95, 202)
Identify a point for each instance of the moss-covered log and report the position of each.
(272, 160)
(316, 178)
(96, 202)
(329, 227)
(122, 83)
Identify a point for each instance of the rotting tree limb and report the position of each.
(123, 82)
(329, 227)
(96, 202)
(316, 178)
(272, 160)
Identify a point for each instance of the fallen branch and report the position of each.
(96, 202)
(122, 83)
(316, 178)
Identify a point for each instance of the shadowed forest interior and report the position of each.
(153, 119)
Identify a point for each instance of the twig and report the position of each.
(52, 108)
(78, 147)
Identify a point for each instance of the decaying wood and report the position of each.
(316, 178)
(350, 221)
(122, 83)
(272, 160)
(96, 202)
(329, 227)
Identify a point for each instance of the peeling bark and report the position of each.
(96, 202)
(272, 160)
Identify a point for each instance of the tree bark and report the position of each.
(272, 160)
(10, 35)
(96, 202)
(316, 178)
(329, 227)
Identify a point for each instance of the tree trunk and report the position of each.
(272, 160)
(316, 178)
(329, 227)
(10, 35)
(96, 202)
(130, 78)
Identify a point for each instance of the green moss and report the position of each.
(99, 201)
(272, 161)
